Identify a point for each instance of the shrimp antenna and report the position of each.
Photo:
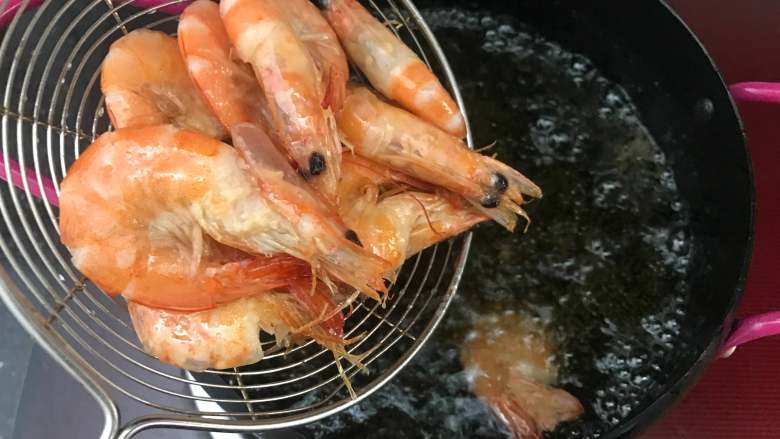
(425, 212)
(486, 147)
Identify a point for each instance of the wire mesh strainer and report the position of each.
(52, 110)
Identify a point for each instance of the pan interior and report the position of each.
(633, 258)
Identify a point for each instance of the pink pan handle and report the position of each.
(756, 92)
(760, 325)
(15, 176)
(749, 329)
(14, 5)
(174, 9)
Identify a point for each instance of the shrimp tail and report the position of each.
(218, 285)
(320, 305)
(511, 414)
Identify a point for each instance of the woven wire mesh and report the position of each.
(52, 110)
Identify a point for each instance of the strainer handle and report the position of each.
(14, 5)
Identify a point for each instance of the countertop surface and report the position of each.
(738, 397)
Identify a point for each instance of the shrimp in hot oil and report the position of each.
(391, 67)
(511, 362)
(387, 134)
(145, 82)
(292, 86)
(139, 204)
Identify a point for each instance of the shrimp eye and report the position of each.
(489, 200)
(499, 182)
(352, 236)
(316, 163)
(322, 4)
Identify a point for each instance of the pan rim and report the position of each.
(679, 387)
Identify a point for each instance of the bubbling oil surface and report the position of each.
(603, 267)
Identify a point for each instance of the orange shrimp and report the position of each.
(387, 134)
(513, 371)
(395, 226)
(227, 84)
(228, 336)
(324, 47)
(145, 82)
(292, 83)
(137, 207)
(391, 67)
(359, 171)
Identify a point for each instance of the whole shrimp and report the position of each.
(228, 335)
(387, 134)
(393, 214)
(511, 363)
(138, 205)
(391, 67)
(227, 83)
(145, 82)
(297, 97)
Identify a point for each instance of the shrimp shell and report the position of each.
(291, 82)
(228, 336)
(391, 67)
(227, 83)
(143, 90)
(396, 225)
(386, 134)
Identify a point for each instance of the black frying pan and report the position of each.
(643, 51)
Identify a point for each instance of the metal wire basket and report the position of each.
(52, 110)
